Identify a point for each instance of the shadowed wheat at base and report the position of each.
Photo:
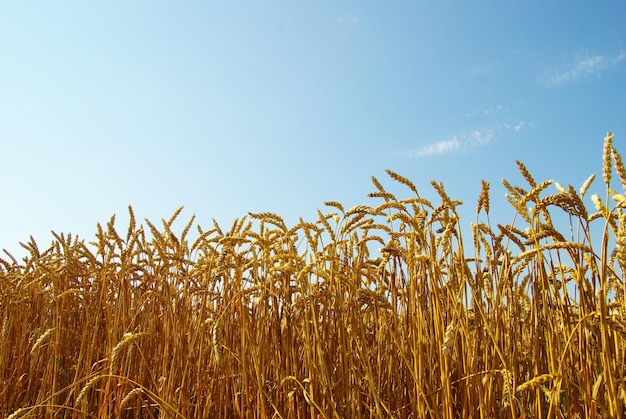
(269, 320)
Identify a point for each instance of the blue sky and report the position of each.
(231, 107)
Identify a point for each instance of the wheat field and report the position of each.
(378, 311)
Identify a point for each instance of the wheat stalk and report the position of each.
(535, 382)
(41, 339)
(127, 339)
(310, 320)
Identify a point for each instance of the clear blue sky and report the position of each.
(227, 107)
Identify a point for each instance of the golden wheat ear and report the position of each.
(528, 323)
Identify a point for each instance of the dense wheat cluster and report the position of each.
(264, 320)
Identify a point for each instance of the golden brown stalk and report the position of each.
(483, 199)
(335, 204)
(311, 321)
(85, 389)
(448, 339)
(126, 340)
(606, 159)
(42, 338)
(401, 179)
(585, 186)
(619, 167)
(535, 382)
(524, 171)
(130, 395)
(385, 195)
(378, 185)
(18, 413)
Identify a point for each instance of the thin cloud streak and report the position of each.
(440, 147)
(465, 141)
(485, 112)
(590, 66)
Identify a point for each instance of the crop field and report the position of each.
(383, 310)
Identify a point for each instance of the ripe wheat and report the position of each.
(269, 320)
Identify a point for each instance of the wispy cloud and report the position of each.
(490, 111)
(440, 147)
(466, 140)
(593, 65)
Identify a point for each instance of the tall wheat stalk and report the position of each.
(269, 320)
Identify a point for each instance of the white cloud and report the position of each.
(618, 58)
(482, 136)
(466, 140)
(588, 66)
(440, 147)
